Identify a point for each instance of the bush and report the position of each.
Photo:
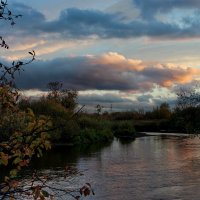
(94, 130)
(65, 129)
(148, 125)
(88, 136)
(124, 129)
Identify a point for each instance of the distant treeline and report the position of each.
(77, 127)
(85, 128)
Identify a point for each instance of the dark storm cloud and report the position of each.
(77, 23)
(83, 23)
(76, 73)
(30, 22)
(149, 8)
(109, 71)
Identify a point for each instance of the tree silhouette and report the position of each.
(187, 109)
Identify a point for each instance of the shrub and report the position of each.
(88, 136)
(94, 130)
(124, 129)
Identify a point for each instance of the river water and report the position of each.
(153, 167)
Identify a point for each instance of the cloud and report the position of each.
(107, 98)
(150, 101)
(77, 23)
(149, 8)
(145, 98)
(86, 23)
(43, 48)
(110, 71)
(31, 19)
(108, 102)
(116, 102)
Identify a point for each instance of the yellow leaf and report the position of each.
(13, 172)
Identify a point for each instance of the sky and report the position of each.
(131, 54)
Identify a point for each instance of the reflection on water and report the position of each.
(155, 167)
(61, 156)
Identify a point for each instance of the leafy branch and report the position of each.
(16, 67)
(8, 91)
(3, 43)
(6, 13)
(40, 187)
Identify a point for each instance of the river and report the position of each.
(153, 167)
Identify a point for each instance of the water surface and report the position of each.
(154, 167)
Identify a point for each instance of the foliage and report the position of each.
(65, 97)
(40, 187)
(27, 140)
(124, 129)
(60, 106)
(187, 109)
(98, 109)
(160, 112)
(94, 129)
(68, 126)
(3, 43)
(64, 126)
(187, 98)
(6, 13)
(24, 135)
(8, 92)
(147, 125)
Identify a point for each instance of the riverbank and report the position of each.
(166, 134)
(137, 135)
